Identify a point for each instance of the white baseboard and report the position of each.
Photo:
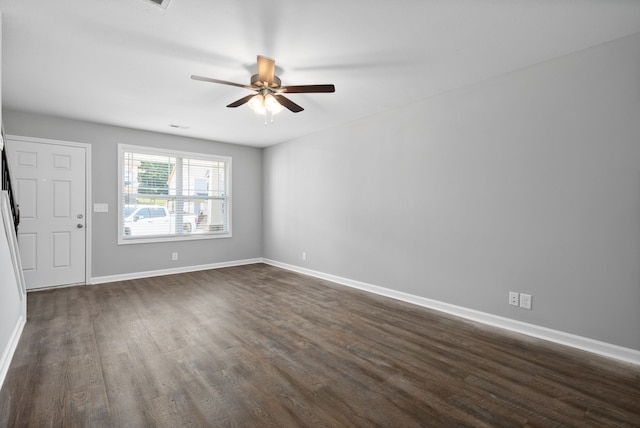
(560, 337)
(160, 272)
(7, 355)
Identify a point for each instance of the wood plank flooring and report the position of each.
(257, 346)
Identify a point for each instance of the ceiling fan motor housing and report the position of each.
(256, 82)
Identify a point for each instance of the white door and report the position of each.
(50, 185)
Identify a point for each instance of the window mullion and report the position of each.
(179, 196)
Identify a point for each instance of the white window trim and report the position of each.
(176, 153)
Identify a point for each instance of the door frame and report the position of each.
(87, 190)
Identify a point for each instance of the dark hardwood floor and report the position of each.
(257, 346)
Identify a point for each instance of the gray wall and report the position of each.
(108, 258)
(528, 182)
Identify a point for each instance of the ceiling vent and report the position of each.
(163, 4)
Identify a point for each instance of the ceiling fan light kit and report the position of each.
(269, 99)
(265, 105)
(264, 102)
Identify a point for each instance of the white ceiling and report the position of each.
(128, 62)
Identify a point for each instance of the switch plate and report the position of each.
(174, 256)
(100, 208)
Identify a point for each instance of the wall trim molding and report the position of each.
(171, 271)
(560, 337)
(10, 350)
(584, 343)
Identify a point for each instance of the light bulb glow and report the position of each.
(271, 104)
(265, 104)
(257, 104)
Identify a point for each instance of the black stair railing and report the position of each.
(6, 185)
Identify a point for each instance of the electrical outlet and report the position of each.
(525, 301)
(174, 256)
(304, 255)
(513, 298)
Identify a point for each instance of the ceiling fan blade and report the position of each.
(241, 101)
(266, 69)
(286, 102)
(222, 82)
(306, 89)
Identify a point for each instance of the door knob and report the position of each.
(80, 226)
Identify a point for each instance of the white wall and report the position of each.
(112, 260)
(12, 308)
(528, 182)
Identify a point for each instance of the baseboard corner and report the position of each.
(563, 338)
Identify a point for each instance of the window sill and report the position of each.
(172, 238)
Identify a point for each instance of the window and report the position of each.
(167, 195)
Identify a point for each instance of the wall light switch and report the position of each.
(101, 208)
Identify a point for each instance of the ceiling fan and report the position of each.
(269, 98)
